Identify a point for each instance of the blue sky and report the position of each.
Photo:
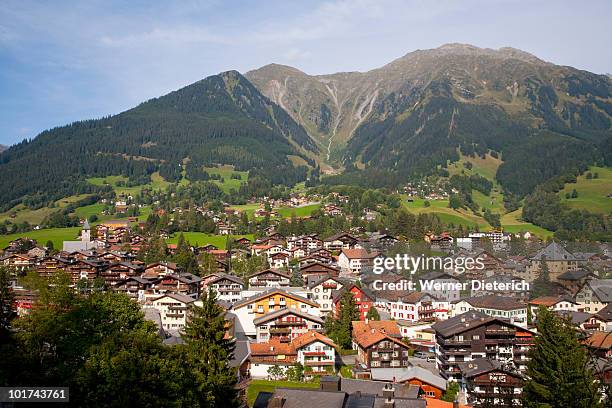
(63, 61)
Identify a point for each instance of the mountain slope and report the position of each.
(222, 119)
(412, 115)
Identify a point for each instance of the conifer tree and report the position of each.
(208, 351)
(558, 372)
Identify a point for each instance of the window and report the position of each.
(476, 337)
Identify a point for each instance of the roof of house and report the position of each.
(310, 337)
(605, 314)
(575, 275)
(302, 398)
(402, 374)
(480, 366)
(176, 296)
(223, 276)
(494, 302)
(554, 252)
(359, 253)
(270, 292)
(550, 300)
(352, 386)
(389, 327)
(271, 348)
(270, 270)
(600, 340)
(602, 288)
(285, 311)
(325, 278)
(467, 321)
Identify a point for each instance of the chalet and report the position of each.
(323, 292)
(554, 303)
(364, 299)
(19, 246)
(269, 278)
(332, 210)
(442, 242)
(279, 260)
(285, 325)
(412, 306)
(246, 310)
(88, 270)
(483, 378)
(266, 355)
(17, 262)
(119, 271)
(586, 322)
(227, 287)
(243, 241)
(594, 295)
(134, 286)
(339, 241)
(494, 306)
(185, 284)
(225, 229)
(376, 348)
(316, 257)
(354, 260)
(173, 308)
(474, 335)
(159, 269)
(574, 280)
(316, 353)
(50, 265)
(313, 272)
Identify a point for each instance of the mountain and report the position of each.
(3, 148)
(222, 119)
(417, 113)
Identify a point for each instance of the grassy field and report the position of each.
(201, 238)
(592, 194)
(512, 222)
(257, 386)
(304, 211)
(57, 235)
(446, 214)
(34, 217)
(226, 172)
(157, 183)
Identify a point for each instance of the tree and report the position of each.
(6, 303)
(340, 329)
(558, 370)
(542, 285)
(295, 372)
(275, 372)
(451, 392)
(208, 351)
(373, 314)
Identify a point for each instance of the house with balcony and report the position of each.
(377, 348)
(322, 292)
(269, 278)
(173, 309)
(364, 299)
(273, 299)
(495, 306)
(316, 353)
(316, 270)
(284, 325)
(474, 335)
(227, 287)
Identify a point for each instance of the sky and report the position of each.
(62, 61)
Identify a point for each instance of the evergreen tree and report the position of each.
(340, 329)
(542, 285)
(558, 373)
(208, 351)
(6, 303)
(373, 314)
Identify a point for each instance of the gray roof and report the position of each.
(401, 374)
(241, 353)
(466, 321)
(577, 274)
(480, 366)
(554, 252)
(309, 398)
(602, 288)
(494, 302)
(350, 386)
(221, 276)
(284, 311)
(177, 296)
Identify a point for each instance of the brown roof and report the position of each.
(272, 348)
(389, 327)
(495, 302)
(359, 253)
(549, 300)
(310, 337)
(600, 340)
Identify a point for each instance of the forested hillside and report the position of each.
(222, 119)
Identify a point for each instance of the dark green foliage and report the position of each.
(221, 119)
(340, 329)
(546, 210)
(373, 314)
(558, 373)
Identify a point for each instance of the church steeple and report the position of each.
(86, 233)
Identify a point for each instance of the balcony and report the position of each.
(280, 330)
(309, 363)
(289, 323)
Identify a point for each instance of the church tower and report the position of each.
(86, 233)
